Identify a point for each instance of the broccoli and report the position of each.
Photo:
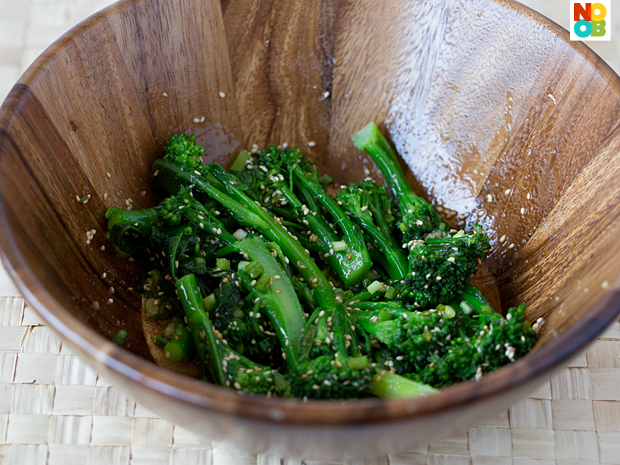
(441, 346)
(368, 205)
(272, 180)
(274, 287)
(439, 267)
(419, 218)
(495, 342)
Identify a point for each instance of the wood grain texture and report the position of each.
(281, 52)
(492, 108)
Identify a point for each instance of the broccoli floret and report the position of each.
(496, 341)
(326, 377)
(184, 151)
(439, 267)
(411, 338)
(244, 375)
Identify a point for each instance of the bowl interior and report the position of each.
(498, 117)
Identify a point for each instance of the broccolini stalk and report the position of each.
(361, 202)
(180, 345)
(142, 220)
(357, 256)
(473, 300)
(220, 364)
(207, 347)
(280, 301)
(275, 192)
(172, 172)
(392, 386)
(418, 216)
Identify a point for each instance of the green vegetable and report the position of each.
(312, 296)
(119, 337)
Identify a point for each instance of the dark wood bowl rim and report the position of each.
(288, 411)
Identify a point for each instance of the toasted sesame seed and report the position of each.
(278, 291)
(316, 387)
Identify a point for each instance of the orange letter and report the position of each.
(602, 12)
(583, 12)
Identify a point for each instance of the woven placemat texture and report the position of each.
(54, 410)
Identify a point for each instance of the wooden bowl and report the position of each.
(495, 112)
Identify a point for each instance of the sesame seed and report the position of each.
(278, 291)
(165, 95)
(110, 300)
(502, 239)
(528, 196)
(237, 386)
(489, 197)
(196, 120)
(364, 208)
(507, 191)
(311, 143)
(316, 387)
(108, 175)
(605, 284)
(155, 173)
(222, 95)
(325, 94)
(105, 196)
(522, 211)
